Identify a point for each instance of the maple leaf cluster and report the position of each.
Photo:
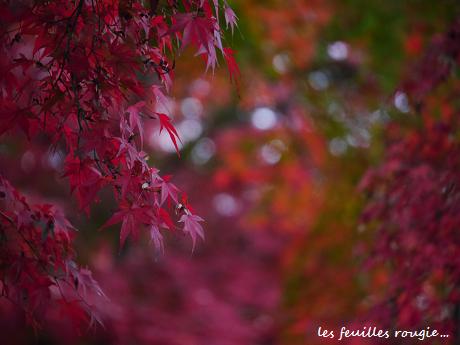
(38, 267)
(84, 76)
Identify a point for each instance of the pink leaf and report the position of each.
(230, 18)
(168, 189)
(157, 238)
(134, 119)
(160, 98)
(192, 227)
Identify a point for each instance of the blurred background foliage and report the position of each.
(273, 167)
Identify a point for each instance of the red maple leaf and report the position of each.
(232, 66)
(132, 218)
(165, 122)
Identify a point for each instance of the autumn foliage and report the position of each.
(321, 163)
(83, 76)
(413, 198)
